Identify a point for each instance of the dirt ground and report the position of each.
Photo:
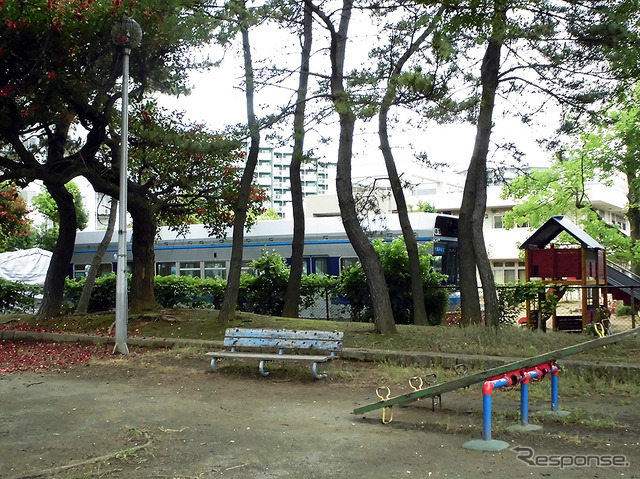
(177, 419)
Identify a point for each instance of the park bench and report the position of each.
(262, 344)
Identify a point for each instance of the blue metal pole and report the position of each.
(524, 400)
(486, 417)
(554, 389)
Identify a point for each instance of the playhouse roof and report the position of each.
(552, 228)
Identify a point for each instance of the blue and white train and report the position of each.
(327, 249)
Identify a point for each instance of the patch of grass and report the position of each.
(509, 341)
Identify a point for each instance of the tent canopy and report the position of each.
(27, 265)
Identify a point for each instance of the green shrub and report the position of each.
(315, 286)
(512, 296)
(17, 296)
(103, 295)
(170, 291)
(189, 292)
(624, 310)
(263, 291)
(395, 263)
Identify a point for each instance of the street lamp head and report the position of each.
(126, 33)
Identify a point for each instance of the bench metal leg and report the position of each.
(213, 364)
(261, 367)
(314, 370)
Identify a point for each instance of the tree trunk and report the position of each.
(415, 269)
(290, 308)
(381, 303)
(142, 295)
(63, 251)
(85, 297)
(471, 249)
(633, 210)
(230, 302)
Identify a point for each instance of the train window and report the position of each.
(82, 270)
(436, 263)
(79, 270)
(347, 261)
(165, 269)
(320, 266)
(246, 269)
(190, 269)
(215, 269)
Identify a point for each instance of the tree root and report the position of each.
(54, 470)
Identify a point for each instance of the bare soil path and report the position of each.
(177, 419)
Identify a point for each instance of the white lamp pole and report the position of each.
(126, 34)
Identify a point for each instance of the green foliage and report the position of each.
(14, 223)
(624, 310)
(188, 174)
(395, 263)
(512, 296)
(103, 295)
(170, 291)
(189, 292)
(46, 205)
(16, 296)
(46, 235)
(424, 207)
(269, 214)
(313, 287)
(263, 291)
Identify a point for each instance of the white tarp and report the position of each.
(27, 265)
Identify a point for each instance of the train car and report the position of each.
(327, 248)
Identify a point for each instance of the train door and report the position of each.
(446, 260)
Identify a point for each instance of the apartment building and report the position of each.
(272, 174)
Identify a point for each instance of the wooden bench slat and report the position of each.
(284, 334)
(282, 343)
(271, 357)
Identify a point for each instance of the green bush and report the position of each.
(624, 310)
(17, 296)
(263, 291)
(395, 263)
(315, 286)
(171, 291)
(189, 292)
(103, 296)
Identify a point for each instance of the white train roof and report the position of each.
(325, 226)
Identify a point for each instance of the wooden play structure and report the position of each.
(582, 266)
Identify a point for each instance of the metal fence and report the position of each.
(327, 307)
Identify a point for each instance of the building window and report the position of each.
(508, 271)
(498, 220)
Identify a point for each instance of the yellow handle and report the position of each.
(416, 383)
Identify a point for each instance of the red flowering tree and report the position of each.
(13, 216)
(59, 87)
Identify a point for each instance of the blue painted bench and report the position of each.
(259, 344)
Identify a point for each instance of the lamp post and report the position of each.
(126, 34)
